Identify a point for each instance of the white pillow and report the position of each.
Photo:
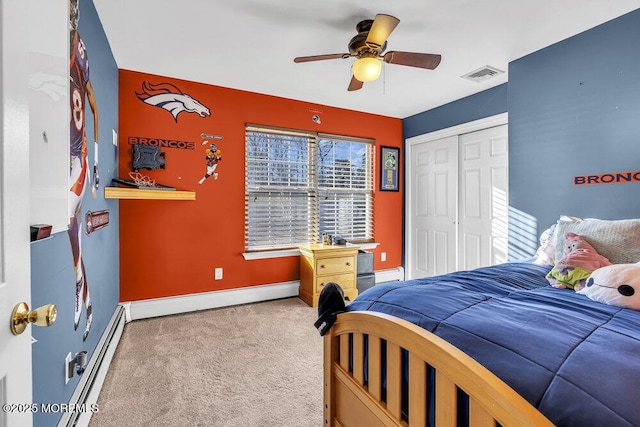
(618, 240)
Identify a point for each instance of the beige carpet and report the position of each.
(250, 365)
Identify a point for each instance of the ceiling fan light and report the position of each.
(367, 68)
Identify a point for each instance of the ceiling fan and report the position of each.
(369, 46)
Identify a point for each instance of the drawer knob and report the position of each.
(322, 266)
(349, 264)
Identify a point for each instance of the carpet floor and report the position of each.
(249, 365)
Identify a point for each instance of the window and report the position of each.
(300, 185)
(345, 188)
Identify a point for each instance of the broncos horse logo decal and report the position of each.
(172, 99)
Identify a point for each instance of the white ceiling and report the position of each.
(250, 44)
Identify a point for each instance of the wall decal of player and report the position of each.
(80, 90)
(213, 156)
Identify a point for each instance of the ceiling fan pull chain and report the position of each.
(384, 78)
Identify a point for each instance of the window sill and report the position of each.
(292, 252)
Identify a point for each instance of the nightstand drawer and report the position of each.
(346, 281)
(321, 264)
(344, 264)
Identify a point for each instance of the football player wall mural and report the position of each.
(212, 155)
(81, 91)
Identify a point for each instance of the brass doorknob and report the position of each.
(41, 316)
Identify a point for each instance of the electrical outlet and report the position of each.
(218, 274)
(67, 361)
(383, 256)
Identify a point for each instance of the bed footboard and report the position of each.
(353, 397)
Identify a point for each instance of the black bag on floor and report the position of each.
(330, 303)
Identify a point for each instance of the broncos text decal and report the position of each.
(172, 99)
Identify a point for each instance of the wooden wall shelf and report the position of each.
(145, 194)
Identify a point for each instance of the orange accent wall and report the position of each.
(170, 248)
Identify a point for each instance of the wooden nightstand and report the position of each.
(321, 264)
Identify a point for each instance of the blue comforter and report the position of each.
(576, 360)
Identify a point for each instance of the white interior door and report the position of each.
(457, 198)
(15, 285)
(483, 191)
(433, 207)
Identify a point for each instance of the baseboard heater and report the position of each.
(88, 389)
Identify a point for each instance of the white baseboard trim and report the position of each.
(145, 309)
(391, 275)
(88, 389)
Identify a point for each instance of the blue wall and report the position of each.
(484, 104)
(574, 109)
(52, 274)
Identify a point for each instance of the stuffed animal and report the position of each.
(617, 284)
(580, 259)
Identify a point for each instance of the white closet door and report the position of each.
(457, 202)
(483, 198)
(433, 204)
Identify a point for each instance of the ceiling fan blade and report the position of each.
(421, 60)
(380, 30)
(354, 84)
(321, 57)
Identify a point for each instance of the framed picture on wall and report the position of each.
(389, 161)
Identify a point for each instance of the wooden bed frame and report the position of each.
(348, 401)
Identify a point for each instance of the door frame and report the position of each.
(410, 143)
(15, 283)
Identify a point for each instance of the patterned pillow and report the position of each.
(546, 253)
(619, 241)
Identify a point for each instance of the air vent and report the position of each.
(482, 74)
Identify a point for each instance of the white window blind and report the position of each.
(300, 185)
(345, 188)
